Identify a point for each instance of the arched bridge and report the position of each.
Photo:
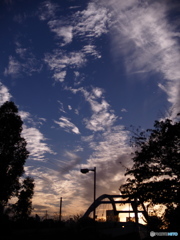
(134, 203)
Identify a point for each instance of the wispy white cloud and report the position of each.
(21, 51)
(91, 50)
(100, 121)
(61, 109)
(72, 160)
(62, 31)
(69, 107)
(26, 116)
(33, 121)
(26, 63)
(60, 76)
(67, 125)
(52, 185)
(91, 22)
(144, 35)
(76, 111)
(36, 143)
(78, 78)
(88, 138)
(102, 115)
(123, 110)
(59, 61)
(4, 94)
(57, 178)
(47, 10)
(13, 68)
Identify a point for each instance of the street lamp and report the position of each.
(84, 171)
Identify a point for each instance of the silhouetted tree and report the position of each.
(13, 152)
(23, 207)
(172, 217)
(155, 222)
(155, 174)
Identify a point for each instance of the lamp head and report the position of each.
(84, 170)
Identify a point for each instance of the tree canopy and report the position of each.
(13, 152)
(23, 207)
(155, 174)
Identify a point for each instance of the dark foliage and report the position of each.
(13, 152)
(23, 207)
(172, 217)
(155, 174)
(156, 170)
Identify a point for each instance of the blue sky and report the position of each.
(82, 72)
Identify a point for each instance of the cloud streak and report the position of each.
(91, 22)
(13, 68)
(4, 94)
(59, 61)
(102, 117)
(67, 125)
(24, 62)
(62, 31)
(47, 10)
(84, 26)
(36, 143)
(145, 37)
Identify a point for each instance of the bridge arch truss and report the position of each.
(134, 203)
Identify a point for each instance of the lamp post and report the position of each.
(84, 171)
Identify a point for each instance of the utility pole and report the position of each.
(60, 209)
(94, 212)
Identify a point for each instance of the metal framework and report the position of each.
(134, 203)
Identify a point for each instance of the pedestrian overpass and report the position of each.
(114, 200)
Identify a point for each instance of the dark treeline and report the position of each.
(13, 155)
(154, 177)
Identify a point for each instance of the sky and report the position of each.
(81, 73)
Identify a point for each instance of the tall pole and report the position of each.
(94, 212)
(84, 171)
(60, 209)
